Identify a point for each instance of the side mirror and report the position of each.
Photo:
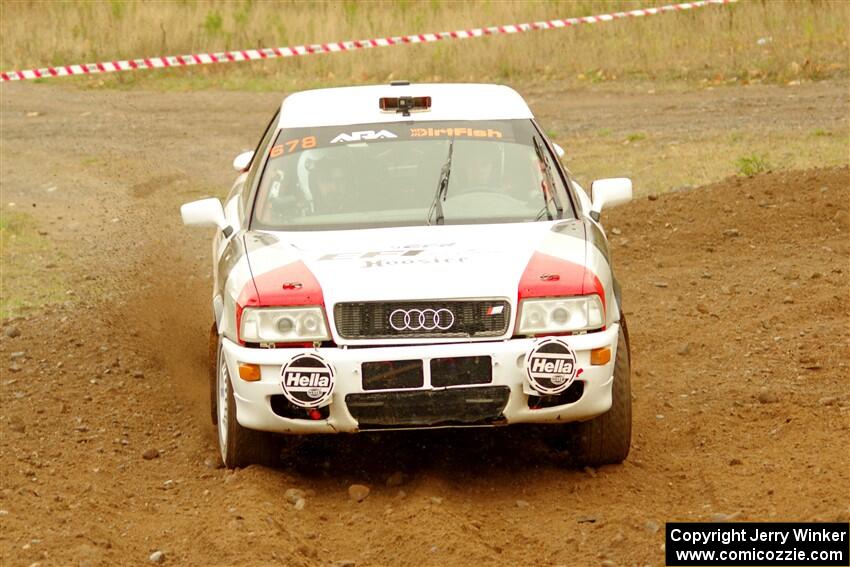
(559, 150)
(609, 192)
(242, 161)
(206, 212)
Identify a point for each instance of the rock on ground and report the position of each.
(358, 492)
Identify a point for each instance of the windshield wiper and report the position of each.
(541, 155)
(442, 189)
(544, 212)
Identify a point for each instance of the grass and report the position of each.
(25, 283)
(735, 44)
(752, 164)
(662, 163)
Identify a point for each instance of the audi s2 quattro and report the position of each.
(413, 256)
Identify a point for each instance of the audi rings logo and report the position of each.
(422, 319)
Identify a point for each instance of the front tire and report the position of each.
(238, 446)
(605, 439)
(212, 371)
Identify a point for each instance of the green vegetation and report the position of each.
(213, 23)
(751, 165)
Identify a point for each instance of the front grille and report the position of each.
(390, 374)
(422, 319)
(423, 408)
(462, 370)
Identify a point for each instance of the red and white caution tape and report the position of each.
(340, 46)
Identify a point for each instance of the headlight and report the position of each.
(283, 325)
(560, 315)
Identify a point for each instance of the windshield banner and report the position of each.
(297, 139)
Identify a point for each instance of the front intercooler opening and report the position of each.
(569, 396)
(284, 408)
(392, 374)
(461, 371)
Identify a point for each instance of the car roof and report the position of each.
(359, 105)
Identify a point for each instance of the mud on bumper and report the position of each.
(444, 385)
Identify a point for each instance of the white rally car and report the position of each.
(413, 256)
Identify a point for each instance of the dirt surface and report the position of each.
(737, 298)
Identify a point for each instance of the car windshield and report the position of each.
(379, 175)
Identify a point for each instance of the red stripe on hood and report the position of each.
(291, 285)
(548, 276)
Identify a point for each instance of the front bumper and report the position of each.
(254, 399)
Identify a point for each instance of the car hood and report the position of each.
(453, 261)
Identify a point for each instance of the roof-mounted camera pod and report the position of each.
(405, 104)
